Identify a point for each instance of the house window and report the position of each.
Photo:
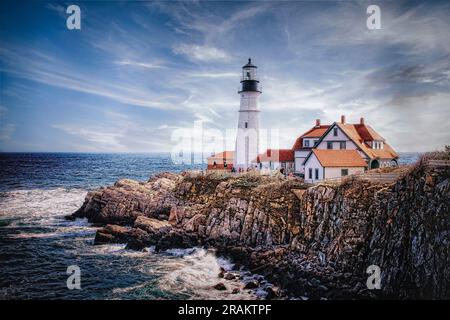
(316, 173)
(342, 145)
(315, 142)
(246, 125)
(344, 172)
(335, 132)
(329, 145)
(307, 143)
(310, 173)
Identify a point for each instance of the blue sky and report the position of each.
(137, 71)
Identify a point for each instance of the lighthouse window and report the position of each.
(248, 75)
(246, 125)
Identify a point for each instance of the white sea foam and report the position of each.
(43, 209)
(39, 213)
(197, 272)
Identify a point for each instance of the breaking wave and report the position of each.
(37, 245)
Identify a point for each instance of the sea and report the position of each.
(37, 245)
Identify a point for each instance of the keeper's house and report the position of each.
(346, 149)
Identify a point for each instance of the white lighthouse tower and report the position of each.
(247, 139)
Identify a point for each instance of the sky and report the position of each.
(139, 71)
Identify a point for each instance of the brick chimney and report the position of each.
(317, 122)
(361, 121)
(343, 119)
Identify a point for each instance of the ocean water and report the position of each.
(37, 244)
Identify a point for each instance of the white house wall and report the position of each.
(336, 172)
(300, 156)
(336, 140)
(313, 163)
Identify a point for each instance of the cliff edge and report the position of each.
(315, 241)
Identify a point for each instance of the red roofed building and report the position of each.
(276, 159)
(304, 144)
(346, 149)
(221, 161)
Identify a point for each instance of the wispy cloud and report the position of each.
(138, 64)
(56, 73)
(202, 53)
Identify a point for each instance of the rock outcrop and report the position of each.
(313, 241)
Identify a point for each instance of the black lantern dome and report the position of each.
(249, 64)
(249, 79)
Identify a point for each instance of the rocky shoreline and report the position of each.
(310, 241)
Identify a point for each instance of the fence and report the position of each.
(438, 163)
(376, 177)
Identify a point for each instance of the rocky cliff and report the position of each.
(314, 241)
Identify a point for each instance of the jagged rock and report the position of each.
(220, 286)
(272, 293)
(253, 284)
(229, 276)
(112, 234)
(235, 291)
(152, 225)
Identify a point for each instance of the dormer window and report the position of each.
(306, 143)
(377, 144)
(335, 132)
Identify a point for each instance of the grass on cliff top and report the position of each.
(436, 155)
(247, 180)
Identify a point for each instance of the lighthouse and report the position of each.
(247, 138)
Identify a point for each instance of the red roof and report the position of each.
(339, 158)
(227, 155)
(315, 132)
(278, 155)
(361, 133)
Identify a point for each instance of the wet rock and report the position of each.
(229, 276)
(220, 286)
(221, 272)
(272, 293)
(112, 234)
(253, 284)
